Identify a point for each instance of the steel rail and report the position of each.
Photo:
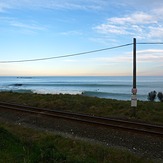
(109, 122)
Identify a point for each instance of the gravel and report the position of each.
(144, 145)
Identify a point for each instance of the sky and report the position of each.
(35, 29)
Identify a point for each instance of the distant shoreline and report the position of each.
(109, 87)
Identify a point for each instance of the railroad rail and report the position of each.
(144, 128)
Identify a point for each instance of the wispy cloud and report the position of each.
(26, 26)
(135, 18)
(149, 55)
(54, 4)
(139, 24)
(70, 33)
(140, 4)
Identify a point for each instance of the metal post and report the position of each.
(134, 90)
(134, 63)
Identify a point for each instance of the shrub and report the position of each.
(152, 95)
(160, 96)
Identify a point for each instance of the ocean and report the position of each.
(113, 87)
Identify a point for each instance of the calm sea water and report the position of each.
(103, 87)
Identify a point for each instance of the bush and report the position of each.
(160, 96)
(152, 96)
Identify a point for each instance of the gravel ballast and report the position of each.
(144, 145)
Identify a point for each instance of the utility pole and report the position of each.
(134, 89)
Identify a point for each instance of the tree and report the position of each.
(152, 96)
(160, 96)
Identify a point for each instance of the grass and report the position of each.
(18, 144)
(146, 111)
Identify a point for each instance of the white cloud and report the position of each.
(140, 4)
(136, 18)
(155, 32)
(23, 26)
(149, 55)
(139, 24)
(54, 4)
(110, 28)
(70, 33)
(158, 11)
(27, 26)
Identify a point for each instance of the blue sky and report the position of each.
(31, 29)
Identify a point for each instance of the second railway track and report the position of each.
(144, 128)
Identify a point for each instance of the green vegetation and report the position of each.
(152, 96)
(146, 111)
(18, 144)
(160, 96)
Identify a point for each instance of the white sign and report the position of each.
(133, 101)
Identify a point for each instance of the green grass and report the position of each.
(146, 111)
(18, 144)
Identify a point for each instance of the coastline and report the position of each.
(116, 87)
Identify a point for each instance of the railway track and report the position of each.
(144, 128)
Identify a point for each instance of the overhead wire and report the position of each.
(65, 56)
(149, 43)
(78, 54)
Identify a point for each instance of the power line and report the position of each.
(65, 56)
(143, 43)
